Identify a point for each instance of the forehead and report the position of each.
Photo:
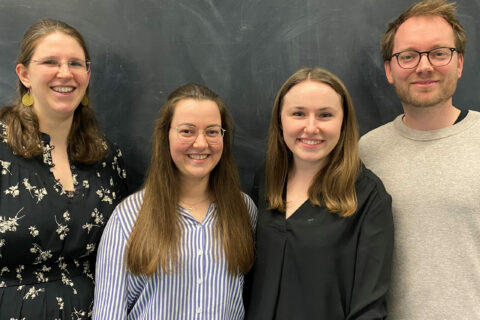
(311, 93)
(424, 33)
(196, 112)
(58, 43)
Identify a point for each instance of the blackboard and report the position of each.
(242, 49)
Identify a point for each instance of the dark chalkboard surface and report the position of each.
(242, 49)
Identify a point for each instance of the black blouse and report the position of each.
(317, 265)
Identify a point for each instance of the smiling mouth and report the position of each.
(63, 89)
(310, 141)
(425, 82)
(198, 156)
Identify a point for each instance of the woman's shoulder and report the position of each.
(252, 208)
(367, 180)
(126, 211)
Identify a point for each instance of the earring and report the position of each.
(27, 99)
(84, 101)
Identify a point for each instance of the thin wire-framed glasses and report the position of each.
(437, 57)
(188, 134)
(74, 65)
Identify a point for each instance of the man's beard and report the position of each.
(416, 100)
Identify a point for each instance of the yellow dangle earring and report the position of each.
(27, 99)
(84, 101)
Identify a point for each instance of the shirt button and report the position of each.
(199, 281)
(199, 309)
(200, 252)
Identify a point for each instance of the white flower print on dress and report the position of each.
(34, 231)
(5, 167)
(62, 230)
(68, 282)
(42, 255)
(33, 293)
(4, 269)
(40, 276)
(37, 193)
(104, 194)
(90, 249)
(13, 191)
(10, 224)
(19, 271)
(98, 221)
(60, 303)
(86, 269)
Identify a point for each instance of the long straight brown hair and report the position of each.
(334, 185)
(85, 140)
(156, 236)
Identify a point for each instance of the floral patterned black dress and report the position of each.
(49, 237)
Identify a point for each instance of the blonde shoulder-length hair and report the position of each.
(156, 236)
(334, 185)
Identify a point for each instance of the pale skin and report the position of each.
(431, 87)
(195, 161)
(53, 109)
(311, 116)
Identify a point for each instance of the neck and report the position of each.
(430, 118)
(57, 129)
(194, 191)
(304, 172)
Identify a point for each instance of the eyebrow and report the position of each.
(319, 109)
(194, 126)
(58, 58)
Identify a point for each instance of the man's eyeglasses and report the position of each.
(73, 65)
(188, 134)
(437, 57)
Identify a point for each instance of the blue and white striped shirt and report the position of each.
(202, 287)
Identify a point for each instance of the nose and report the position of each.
(424, 64)
(311, 126)
(64, 70)
(200, 141)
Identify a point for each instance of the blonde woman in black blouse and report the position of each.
(325, 233)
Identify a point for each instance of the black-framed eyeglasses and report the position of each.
(437, 57)
(188, 134)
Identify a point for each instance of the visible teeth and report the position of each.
(310, 141)
(63, 89)
(198, 156)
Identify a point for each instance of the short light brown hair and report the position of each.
(441, 8)
(334, 185)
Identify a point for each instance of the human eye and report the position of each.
(186, 131)
(324, 115)
(76, 64)
(298, 113)
(407, 56)
(212, 132)
(49, 62)
(441, 53)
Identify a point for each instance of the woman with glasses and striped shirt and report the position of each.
(179, 248)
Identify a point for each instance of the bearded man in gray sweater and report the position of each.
(429, 160)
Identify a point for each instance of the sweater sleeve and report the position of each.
(374, 258)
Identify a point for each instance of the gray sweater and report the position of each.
(434, 180)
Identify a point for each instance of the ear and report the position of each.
(388, 71)
(460, 66)
(22, 73)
